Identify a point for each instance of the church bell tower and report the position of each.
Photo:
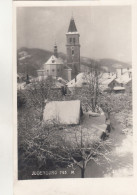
(73, 48)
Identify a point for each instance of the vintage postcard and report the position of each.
(73, 93)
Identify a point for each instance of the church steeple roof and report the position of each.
(72, 26)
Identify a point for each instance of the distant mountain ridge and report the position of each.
(29, 60)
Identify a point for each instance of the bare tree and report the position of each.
(82, 148)
(38, 92)
(43, 142)
(91, 89)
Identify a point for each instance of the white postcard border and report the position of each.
(122, 186)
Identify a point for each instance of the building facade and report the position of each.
(54, 67)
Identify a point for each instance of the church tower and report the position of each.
(73, 48)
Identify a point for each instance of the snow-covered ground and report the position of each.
(122, 153)
(121, 157)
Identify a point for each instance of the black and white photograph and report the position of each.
(74, 92)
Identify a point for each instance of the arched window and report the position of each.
(72, 50)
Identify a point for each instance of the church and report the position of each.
(55, 66)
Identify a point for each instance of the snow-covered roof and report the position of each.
(124, 79)
(80, 78)
(54, 60)
(107, 78)
(72, 33)
(62, 80)
(63, 112)
(118, 88)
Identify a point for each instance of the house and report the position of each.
(53, 67)
(63, 112)
(61, 80)
(78, 81)
(106, 81)
(123, 82)
(81, 80)
(121, 71)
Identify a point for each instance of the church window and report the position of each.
(72, 50)
(53, 61)
(70, 40)
(74, 40)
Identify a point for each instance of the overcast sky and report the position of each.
(105, 31)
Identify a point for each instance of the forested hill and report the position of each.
(31, 59)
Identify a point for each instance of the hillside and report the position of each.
(111, 64)
(31, 59)
(32, 63)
